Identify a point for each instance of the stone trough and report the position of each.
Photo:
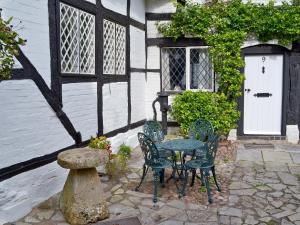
(82, 200)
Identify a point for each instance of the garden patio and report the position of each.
(81, 137)
(256, 189)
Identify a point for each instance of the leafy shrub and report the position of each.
(100, 143)
(116, 164)
(125, 150)
(9, 47)
(215, 107)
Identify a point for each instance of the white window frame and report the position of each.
(188, 69)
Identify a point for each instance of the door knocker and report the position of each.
(263, 68)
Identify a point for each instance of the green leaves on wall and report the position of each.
(225, 26)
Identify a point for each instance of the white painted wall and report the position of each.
(21, 193)
(29, 127)
(34, 28)
(152, 31)
(152, 81)
(128, 138)
(292, 134)
(160, 6)
(153, 57)
(138, 96)
(137, 48)
(92, 1)
(137, 10)
(80, 104)
(115, 106)
(253, 41)
(119, 6)
(152, 87)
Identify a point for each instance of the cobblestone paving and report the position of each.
(264, 190)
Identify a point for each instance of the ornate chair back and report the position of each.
(212, 148)
(149, 149)
(201, 130)
(153, 130)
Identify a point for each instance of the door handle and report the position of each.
(263, 95)
(247, 90)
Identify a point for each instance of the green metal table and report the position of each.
(183, 146)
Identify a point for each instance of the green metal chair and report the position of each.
(200, 130)
(153, 130)
(154, 161)
(205, 162)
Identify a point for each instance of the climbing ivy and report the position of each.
(9, 47)
(226, 25)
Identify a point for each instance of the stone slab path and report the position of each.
(264, 189)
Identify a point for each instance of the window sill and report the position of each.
(181, 91)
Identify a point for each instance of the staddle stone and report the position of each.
(80, 158)
(82, 200)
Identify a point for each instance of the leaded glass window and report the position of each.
(77, 40)
(114, 46)
(200, 69)
(186, 68)
(173, 68)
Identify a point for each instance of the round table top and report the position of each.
(80, 158)
(182, 145)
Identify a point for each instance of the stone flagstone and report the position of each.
(288, 178)
(272, 156)
(249, 155)
(296, 157)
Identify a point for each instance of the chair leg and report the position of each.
(162, 177)
(145, 170)
(215, 178)
(206, 177)
(202, 178)
(185, 182)
(183, 158)
(156, 178)
(193, 177)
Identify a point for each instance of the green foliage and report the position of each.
(296, 2)
(125, 150)
(215, 107)
(9, 47)
(225, 25)
(117, 164)
(100, 143)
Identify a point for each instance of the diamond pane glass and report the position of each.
(69, 43)
(173, 69)
(120, 49)
(201, 69)
(87, 43)
(109, 47)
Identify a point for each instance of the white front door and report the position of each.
(263, 94)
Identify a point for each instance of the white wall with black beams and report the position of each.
(29, 127)
(43, 111)
(156, 8)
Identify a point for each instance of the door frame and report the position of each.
(258, 50)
